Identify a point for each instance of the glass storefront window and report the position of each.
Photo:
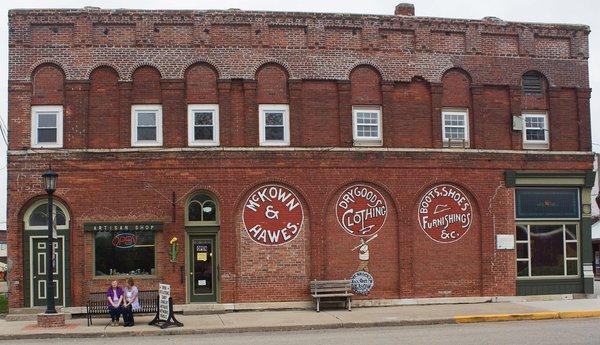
(547, 250)
(124, 253)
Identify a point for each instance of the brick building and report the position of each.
(237, 155)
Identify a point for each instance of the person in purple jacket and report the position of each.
(114, 295)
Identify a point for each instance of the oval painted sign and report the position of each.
(362, 282)
(361, 210)
(272, 215)
(124, 240)
(445, 213)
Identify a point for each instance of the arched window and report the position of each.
(202, 209)
(36, 217)
(532, 83)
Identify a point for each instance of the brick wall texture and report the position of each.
(97, 63)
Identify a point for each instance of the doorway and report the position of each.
(203, 268)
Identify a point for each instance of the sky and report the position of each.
(541, 11)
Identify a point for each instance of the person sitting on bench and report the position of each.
(114, 295)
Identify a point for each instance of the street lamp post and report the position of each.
(49, 178)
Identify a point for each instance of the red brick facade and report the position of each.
(97, 63)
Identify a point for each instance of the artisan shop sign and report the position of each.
(445, 213)
(361, 210)
(122, 226)
(272, 215)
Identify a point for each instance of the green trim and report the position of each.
(549, 286)
(581, 178)
(199, 231)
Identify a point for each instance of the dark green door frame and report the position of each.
(29, 238)
(202, 264)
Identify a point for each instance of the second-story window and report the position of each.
(47, 126)
(274, 124)
(146, 125)
(535, 131)
(455, 127)
(366, 125)
(203, 125)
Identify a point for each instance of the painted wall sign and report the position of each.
(124, 240)
(361, 210)
(122, 226)
(445, 213)
(362, 282)
(273, 215)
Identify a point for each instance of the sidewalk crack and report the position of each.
(222, 323)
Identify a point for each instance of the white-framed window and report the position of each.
(547, 249)
(146, 125)
(203, 125)
(455, 127)
(274, 124)
(366, 125)
(535, 131)
(47, 126)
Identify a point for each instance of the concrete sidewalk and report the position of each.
(261, 321)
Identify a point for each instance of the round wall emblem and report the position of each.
(362, 282)
(272, 215)
(361, 210)
(445, 213)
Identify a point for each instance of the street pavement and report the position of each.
(548, 332)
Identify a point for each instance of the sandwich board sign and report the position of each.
(164, 311)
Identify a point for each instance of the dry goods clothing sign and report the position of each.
(361, 210)
(272, 215)
(445, 213)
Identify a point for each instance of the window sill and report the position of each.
(269, 144)
(549, 277)
(204, 144)
(153, 144)
(48, 146)
(536, 146)
(365, 142)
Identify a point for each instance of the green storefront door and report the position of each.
(39, 274)
(203, 269)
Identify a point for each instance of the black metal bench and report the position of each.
(332, 289)
(97, 304)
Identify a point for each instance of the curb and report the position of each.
(527, 316)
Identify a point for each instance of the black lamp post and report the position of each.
(49, 178)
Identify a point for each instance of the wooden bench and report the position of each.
(332, 289)
(97, 304)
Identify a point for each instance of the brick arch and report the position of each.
(48, 82)
(59, 65)
(468, 280)
(365, 85)
(282, 64)
(94, 67)
(135, 67)
(456, 85)
(272, 83)
(546, 77)
(369, 63)
(103, 108)
(146, 85)
(340, 261)
(200, 61)
(201, 83)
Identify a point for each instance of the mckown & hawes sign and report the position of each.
(272, 215)
(445, 213)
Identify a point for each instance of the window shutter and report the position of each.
(532, 83)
